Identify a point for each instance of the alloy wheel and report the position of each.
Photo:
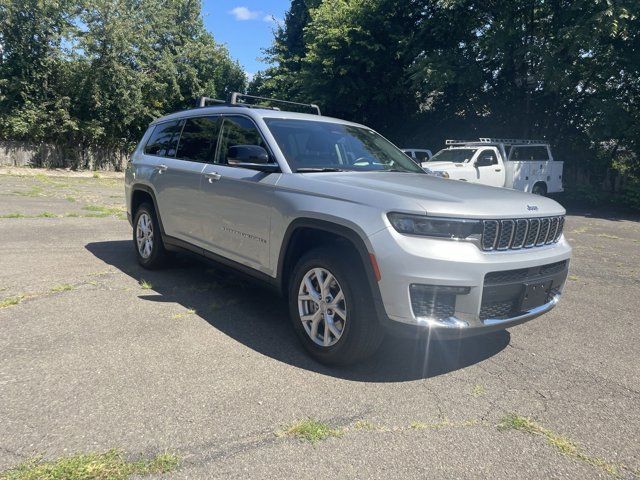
(322, 307)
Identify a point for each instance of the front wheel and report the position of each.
(331, 308)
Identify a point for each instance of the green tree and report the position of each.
(32, 67)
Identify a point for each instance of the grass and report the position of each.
(46, 215)
(100, 211)
(69, 198)
(110, 465)
(478, 391)
(443, 424)
(13, 215)
(606, 235)
(63, 287)
(11, 301)
(144, 284)
(32, 192)
(177, 316)
(562, 444)
(103, 211)
(573, 278)
(96, 175)
(310, 430)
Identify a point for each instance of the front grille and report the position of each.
(513, 234)
(498, 310)
(429, 303)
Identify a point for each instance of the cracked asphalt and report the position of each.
(204, 364)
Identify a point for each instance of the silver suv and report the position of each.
(352, 232)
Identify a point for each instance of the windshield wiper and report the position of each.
(319, 169)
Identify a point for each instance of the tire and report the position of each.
(360, 331)
(153, 255)
(539, 189)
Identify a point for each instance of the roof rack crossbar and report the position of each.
(202, 101)
(235, 96)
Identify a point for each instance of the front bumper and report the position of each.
(407, 261)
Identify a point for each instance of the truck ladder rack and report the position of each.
(490, 140)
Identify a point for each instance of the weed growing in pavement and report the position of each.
(112, 465)
(562, 444)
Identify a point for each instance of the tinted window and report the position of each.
(238, 131)
(456, 155)
(538, 153)
(164, 139)
(489, 156)
(198, 140)
(422, 156)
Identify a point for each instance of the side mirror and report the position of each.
(250, 156)
(484, 161)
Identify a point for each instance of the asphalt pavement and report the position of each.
(97, 353)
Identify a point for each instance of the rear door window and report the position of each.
(529, 153)
(164, 139)
(199, 139)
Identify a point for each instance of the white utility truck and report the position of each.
(526, 165)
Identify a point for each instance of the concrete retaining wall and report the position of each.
(24, 154)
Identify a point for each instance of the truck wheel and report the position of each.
(331, 308)
(539, 189)
(147, 240)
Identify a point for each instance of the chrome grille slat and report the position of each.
(506, 234)
(553, 227)
(516, 233)
(520, 234)
(544, 231)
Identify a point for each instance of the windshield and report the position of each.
(322, 146)
(455, 155)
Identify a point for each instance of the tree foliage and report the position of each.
(97, 72)
(425, 70)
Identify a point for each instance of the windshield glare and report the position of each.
(456, 155)
(310, 145)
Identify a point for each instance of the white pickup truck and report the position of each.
(525, 165)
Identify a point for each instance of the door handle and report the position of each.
(498, 169)
(212, 177)
(162, 168)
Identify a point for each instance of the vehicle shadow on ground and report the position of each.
(255, 316)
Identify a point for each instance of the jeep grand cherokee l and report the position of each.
(352, 232)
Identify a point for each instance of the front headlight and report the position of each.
(458, 228)
(436, 173)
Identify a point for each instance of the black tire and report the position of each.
(539, 189)
(362, 332)
(158, 256)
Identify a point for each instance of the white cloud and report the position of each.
(243, 13)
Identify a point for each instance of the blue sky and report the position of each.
(245, 26)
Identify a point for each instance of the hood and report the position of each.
(425, 193)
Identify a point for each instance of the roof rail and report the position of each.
(202, 101)
(508, 141)
(235, 97)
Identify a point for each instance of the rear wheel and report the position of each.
(147, 240)
(331, 308)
